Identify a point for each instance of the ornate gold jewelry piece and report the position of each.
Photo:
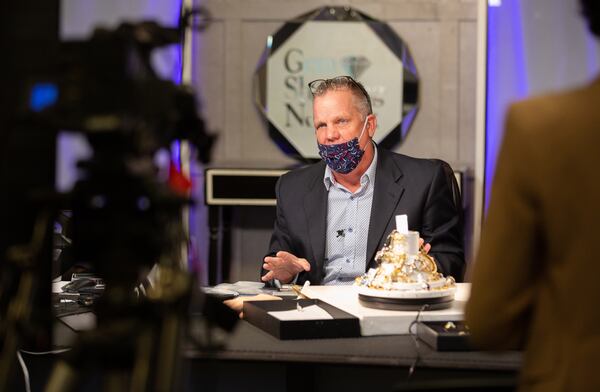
(403, 266)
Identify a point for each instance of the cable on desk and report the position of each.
(25, 371)
(413, 335)
(24, 366)
(58, 351)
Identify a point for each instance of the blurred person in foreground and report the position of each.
(536, 281)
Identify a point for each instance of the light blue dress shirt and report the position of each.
(348, 216)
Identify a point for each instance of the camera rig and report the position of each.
(124, 219)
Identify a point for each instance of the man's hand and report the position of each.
(423, 246)
(284, 266)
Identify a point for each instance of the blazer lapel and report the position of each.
(315, 207)
(386, 195)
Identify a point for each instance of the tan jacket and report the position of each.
(536, 281)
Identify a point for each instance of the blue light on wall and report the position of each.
(506, 76)
(43, 96)
(177, 77)
(534, 47)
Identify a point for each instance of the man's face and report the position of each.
(337, 118)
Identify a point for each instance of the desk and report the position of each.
(369, 362)
(386, 322)
(254, 361)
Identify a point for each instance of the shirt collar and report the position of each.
(368, 176)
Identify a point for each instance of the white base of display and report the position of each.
(386, 322)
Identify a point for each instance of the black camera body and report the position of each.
(107, 90)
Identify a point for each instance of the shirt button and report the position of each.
(347, 260)
(351, 197)
(350, 230)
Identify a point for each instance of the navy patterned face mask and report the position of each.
(343, 157)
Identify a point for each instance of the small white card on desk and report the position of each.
(312, 312)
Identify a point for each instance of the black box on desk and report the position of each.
(444, 335)
(342, 325)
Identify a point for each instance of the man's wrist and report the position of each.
(278, 283)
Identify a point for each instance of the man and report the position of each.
(535, 282)
(333, 216)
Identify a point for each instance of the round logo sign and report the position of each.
(325, 43)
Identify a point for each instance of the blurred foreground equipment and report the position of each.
(124, 219)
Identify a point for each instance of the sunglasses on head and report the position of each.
(320, 86)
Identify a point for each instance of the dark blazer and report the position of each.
(536, 279)
(403, 185)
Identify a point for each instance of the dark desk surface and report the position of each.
(250, 343)
(252, 357)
